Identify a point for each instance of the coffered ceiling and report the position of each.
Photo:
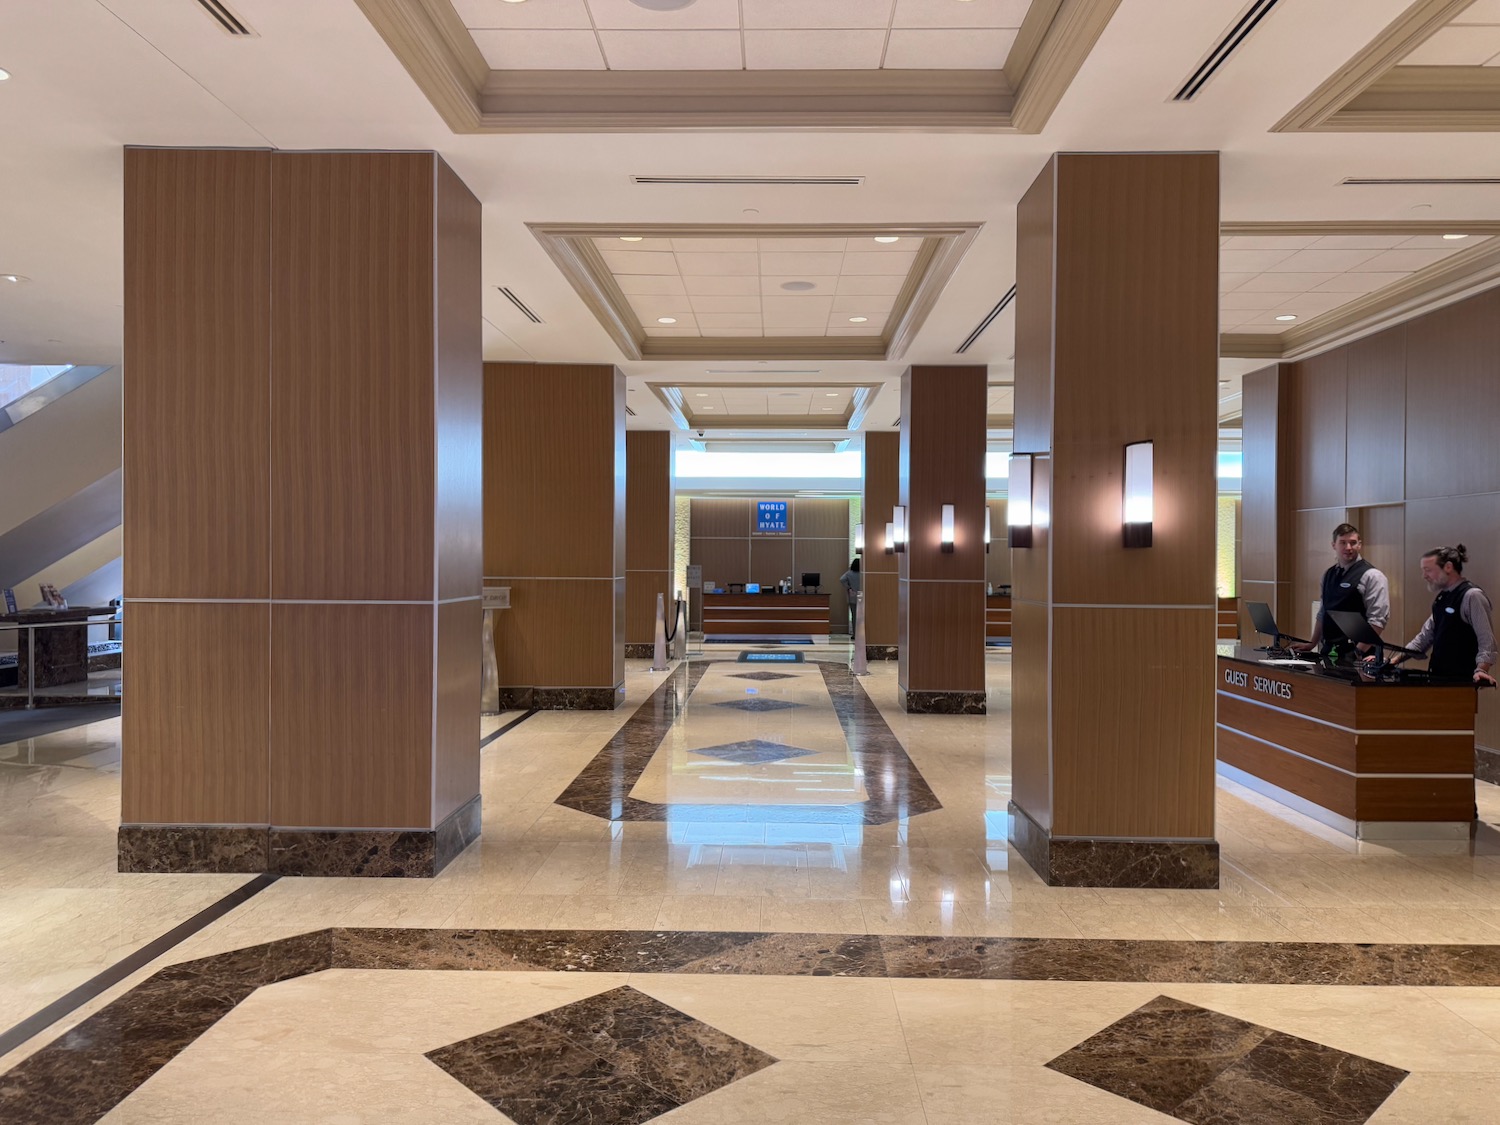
(1470, 38)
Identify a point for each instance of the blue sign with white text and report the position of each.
(771, 517)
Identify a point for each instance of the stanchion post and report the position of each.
(659, 649)
(861, 664)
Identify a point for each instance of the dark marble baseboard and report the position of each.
(561, 698)
(349, 853)
(105, 662)
(1487, 764)
(882, 652)
(636, 650)
(943, 702)
(1138, 864)
(18, 702)
(180, 848)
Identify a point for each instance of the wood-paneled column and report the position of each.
(940, 617)
(302, 512)
(649, 536)
(554, 531)
(1117, 342)
(881, 571)
(1267, 561)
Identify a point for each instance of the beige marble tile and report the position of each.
(811, 916)
(1002, 1092)
(795, 1093)
(709, 912)
(1005, 919)
(1098, 920)
(931, 918)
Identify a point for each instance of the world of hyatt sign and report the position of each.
(771, 517)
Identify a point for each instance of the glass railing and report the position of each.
(52, 659)
(27, 388)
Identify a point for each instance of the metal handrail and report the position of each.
(88, 619)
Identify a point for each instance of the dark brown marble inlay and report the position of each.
(1487, 765)
(1064, 861)
(897, 788)
(944, 702)
(621, 1057)
(80, 1076)
(1207, 1068)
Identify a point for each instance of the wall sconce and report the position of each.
(859, 539)
(986, 528)
(898, 524)
(1018, 510)
(947, 529)
(890, 539)
(1139, 493)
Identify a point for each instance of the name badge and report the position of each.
(1345, 585)
(1448, 610)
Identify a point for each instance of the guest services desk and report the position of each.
(1374, 760)
(765, 615)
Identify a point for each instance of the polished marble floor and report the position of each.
(685, 822)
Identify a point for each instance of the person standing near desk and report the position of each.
(850, 582)
(1459, 633)
(1351, 584)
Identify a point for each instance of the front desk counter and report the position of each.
(1373, 760)
(765, 615)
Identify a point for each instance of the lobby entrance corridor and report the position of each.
(759, 891)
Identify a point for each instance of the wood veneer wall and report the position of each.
(306, 324)
(1117, 341)
(649, 531)
(1396, 433)
(554, 522)
(881, 571)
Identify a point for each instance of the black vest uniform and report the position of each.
(1341, 592)
(1455, 645)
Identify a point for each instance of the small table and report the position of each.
(62, 651)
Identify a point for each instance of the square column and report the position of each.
(881, 572)
(650, 530)
(302, 510)
(1117, 343)
(941, 611)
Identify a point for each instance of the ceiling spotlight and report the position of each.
(700, 394)
(623, 237)
(1454, 237)
(1286, 316)
(515, 1)
(858, 319)
(830, 394)
(4, 74)
(887, 238)
(13, 278)
(662, 5)
(666, 320)
(708, 408)
(798, 286)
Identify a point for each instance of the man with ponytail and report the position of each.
(1459, 633)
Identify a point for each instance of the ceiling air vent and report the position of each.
(520, 304)
(756, 181)
(1010, 295)
(1422, 181)
(629, 411)
(224, 17)
(1233, 39)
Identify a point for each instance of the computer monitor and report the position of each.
(1357, 629)
(1264, 622)
(812, 578)
(752, 587)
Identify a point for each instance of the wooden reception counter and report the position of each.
(1374, 760)
(996, 617)
(765, 615)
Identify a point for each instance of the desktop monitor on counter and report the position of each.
(752, 587)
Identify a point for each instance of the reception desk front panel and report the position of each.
(765, 615)
(1369, 759)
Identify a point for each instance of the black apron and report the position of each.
(1341, 592)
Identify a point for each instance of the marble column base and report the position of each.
(562, 698)
(943, 702)
(349, 853)
(640, 651)
(1140, 864)
(1487, 764)
(882, 652)
(105, 662)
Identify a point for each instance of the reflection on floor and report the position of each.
(908, 969)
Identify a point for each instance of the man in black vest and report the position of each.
(1351, 584)
(1459, 632)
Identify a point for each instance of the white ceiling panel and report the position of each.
(771, 330)
(709, 286)
(712, 245)
(1284, 282)
(801, 265)
(1251, 261)
(947, 13)
(807, 49)
(540, 50)
(1439, 242)
(796, 312)
(817, 13)
(622, 14)
(628, 261)
(1457, 46)
(1357, 283)
(861, 264)
(641, 284)
(619, 243)
(737, 332)
(1358, 241)
(672, 50)
(871, 329)
(907, 245)
(712, 322)
(1480, 11)
(1239, 301)
(670, 330)
(726, 304)
(1322, 261)
(719, 265)
(1268, 242)
(864, 306)
(654, 305)
(978, 49)
(876, 284)
(1231, 281)
(802, 245)
(497, 13)
(1404, 259)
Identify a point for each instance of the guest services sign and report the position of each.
(771, 517)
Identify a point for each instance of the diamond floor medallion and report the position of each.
(758, 704)
(620, 1057)
(762, 676)
(1201, 1066)
(752, 751)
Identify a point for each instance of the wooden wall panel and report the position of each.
(352, 390)
(1318, 397)
(641, 588)
(460, 388)
(1383, 529)
(195, 722)
(1375, 442)
(770, 560)
(944, 645)
(1030, 709)
(455, 768)
(943, 448)
(1031, 567)
(1131, 754)
(351, 716)
(1266, 506)
(714, 518)
(1453, 399)
(648, 500)
(882, 591)
(1136, 368)
(1036, 217)
(197, 301)
(816, 518)
(1473, 521)
(549, 515)
(881, 494)
(537, 641)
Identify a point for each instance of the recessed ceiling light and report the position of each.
(1286, 316)
(830, 394)
(623, 237)
(858, 319)
(4, 74)
(887, 238)
(666, 320)
(1454, 237)
(708, 408)
(700, 394)
(515, 1)
(798, 286)
(13, 278)
(662, 5)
